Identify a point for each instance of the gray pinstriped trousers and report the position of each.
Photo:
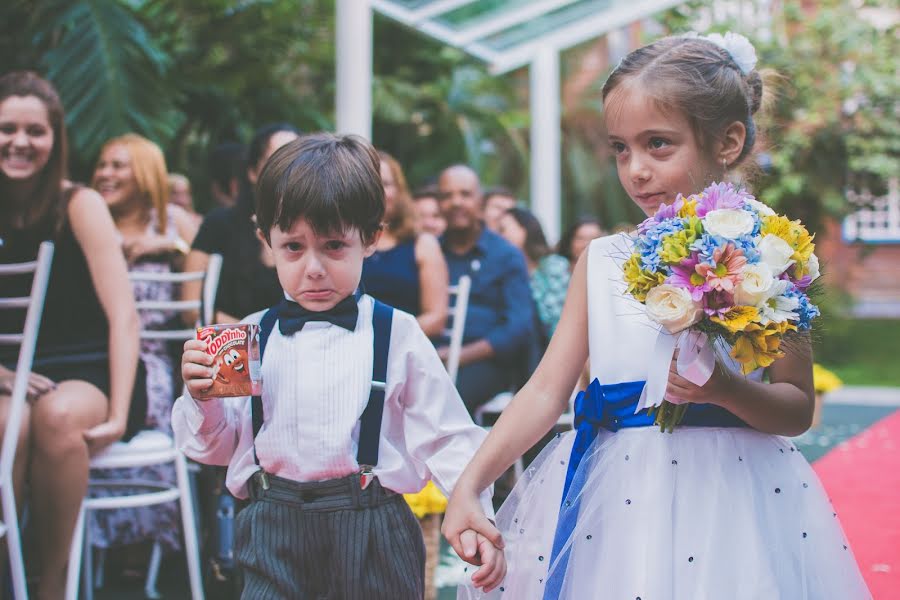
(329, 540)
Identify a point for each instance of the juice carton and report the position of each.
(235, 348)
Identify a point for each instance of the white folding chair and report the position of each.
(26, 341)
(149, 448)
(457, 315)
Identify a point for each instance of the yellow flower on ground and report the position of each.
(738, 318)
(759, 346)
(640, 281)
(428, 501)
(824, 380)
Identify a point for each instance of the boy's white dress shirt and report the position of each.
(315, 386)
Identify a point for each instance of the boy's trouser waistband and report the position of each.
(333, 494)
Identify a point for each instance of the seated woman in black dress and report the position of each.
(87, 350)
(407, 270)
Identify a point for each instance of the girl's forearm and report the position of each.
(777, 408)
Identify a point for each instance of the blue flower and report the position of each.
(748, 245)
(706, 245)
(806, 310)
(649, 242)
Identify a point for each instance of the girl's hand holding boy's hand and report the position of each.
(196, 368)
(493, 565)
(463, 522)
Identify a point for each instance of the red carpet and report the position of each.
(862, 477)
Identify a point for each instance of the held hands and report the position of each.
(681, 391)
(475, 539)
(197, 368)
(492, 562)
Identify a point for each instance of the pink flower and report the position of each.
(717, 303)
(686, 276)
(725, 273)
(669, 211)
(720, 196)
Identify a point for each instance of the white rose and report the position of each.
(759, 207)
(757, 286)
(776, 253)
(812, 266)
(673, 308)
(728, 223)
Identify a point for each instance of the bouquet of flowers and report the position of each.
(719, 266)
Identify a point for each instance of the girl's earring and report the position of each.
(724, 167)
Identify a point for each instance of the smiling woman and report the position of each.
(131, 177)
(85, 362)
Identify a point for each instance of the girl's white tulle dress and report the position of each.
(715, 510)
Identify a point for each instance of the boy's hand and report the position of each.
(493, 565)
(196, 368)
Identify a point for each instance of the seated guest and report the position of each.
(156, 234)
(86, 360)
(497, 200)
(428, 211)
(248, 282)
(227, 171)
(407, 270)
(549, 272)
(577, 237)
(180, 195)
(499, 340)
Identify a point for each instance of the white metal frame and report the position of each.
(149, 448)
(458, 323)
(27, 342)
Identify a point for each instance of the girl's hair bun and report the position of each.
(755, 85)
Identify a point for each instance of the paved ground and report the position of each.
(846, 414)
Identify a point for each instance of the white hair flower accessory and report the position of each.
(737, 46)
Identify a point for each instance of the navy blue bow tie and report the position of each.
(292, 317)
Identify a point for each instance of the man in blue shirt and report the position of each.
(498, 343)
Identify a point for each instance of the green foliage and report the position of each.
(434, 106)
(833, 122)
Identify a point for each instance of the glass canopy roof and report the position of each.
(507, 33)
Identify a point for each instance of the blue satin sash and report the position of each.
(609, 407)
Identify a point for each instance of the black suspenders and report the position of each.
(370, 421)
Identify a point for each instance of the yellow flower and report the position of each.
(677, 246)
(759, 346)
(795, 234)
(640, 281)
(824, 380)
(426, 502)
(689, 208)
(738, 318)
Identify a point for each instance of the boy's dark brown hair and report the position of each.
(697, 78)
(331, 181)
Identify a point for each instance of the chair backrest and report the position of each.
(205, 305)
(27, 340)
(459, 296)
